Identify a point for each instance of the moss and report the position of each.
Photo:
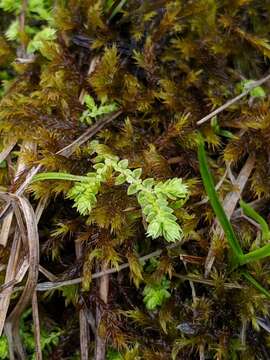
(165, 64)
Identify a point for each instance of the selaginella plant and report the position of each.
(93, 110)
(154, 197)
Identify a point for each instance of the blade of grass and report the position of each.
(255, 283)
(255, 255)
(250, 212)
(117, 9)
(209, 186)
(240, 258)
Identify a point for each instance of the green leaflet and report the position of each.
(10, 5)
(156, 294)
(94, 110)
(37, 43)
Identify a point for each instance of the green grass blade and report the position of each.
(117, 9)
(209, 186)
(250, 212)
(255, 255)
(255, 283)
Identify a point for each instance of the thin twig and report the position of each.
(206, 281)
(83, 313)
(234, 100)
(243, 333)
(50, 285)
(47, 273)
(84, 328)
(45, 286)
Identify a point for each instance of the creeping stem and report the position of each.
(58, 176)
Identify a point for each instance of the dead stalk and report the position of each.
(100, 351)
(84, 328)
(35, 314)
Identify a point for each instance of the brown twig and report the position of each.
(208, 282)
(100, 348)
(50, 285)
(234, 100)
(84, 328)
(4, 154)
(21, 51)
(12, 322)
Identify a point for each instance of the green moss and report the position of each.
(164, 65)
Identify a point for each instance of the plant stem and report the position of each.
(58, 176)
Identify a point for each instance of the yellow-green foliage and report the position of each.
(164, 64)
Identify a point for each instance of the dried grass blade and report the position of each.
(4, 154)
(38, 351)
(84, 328)
(9, 278)
(12, 322)
(5, 230)
(26, 145)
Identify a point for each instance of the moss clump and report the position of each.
(152, 70)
